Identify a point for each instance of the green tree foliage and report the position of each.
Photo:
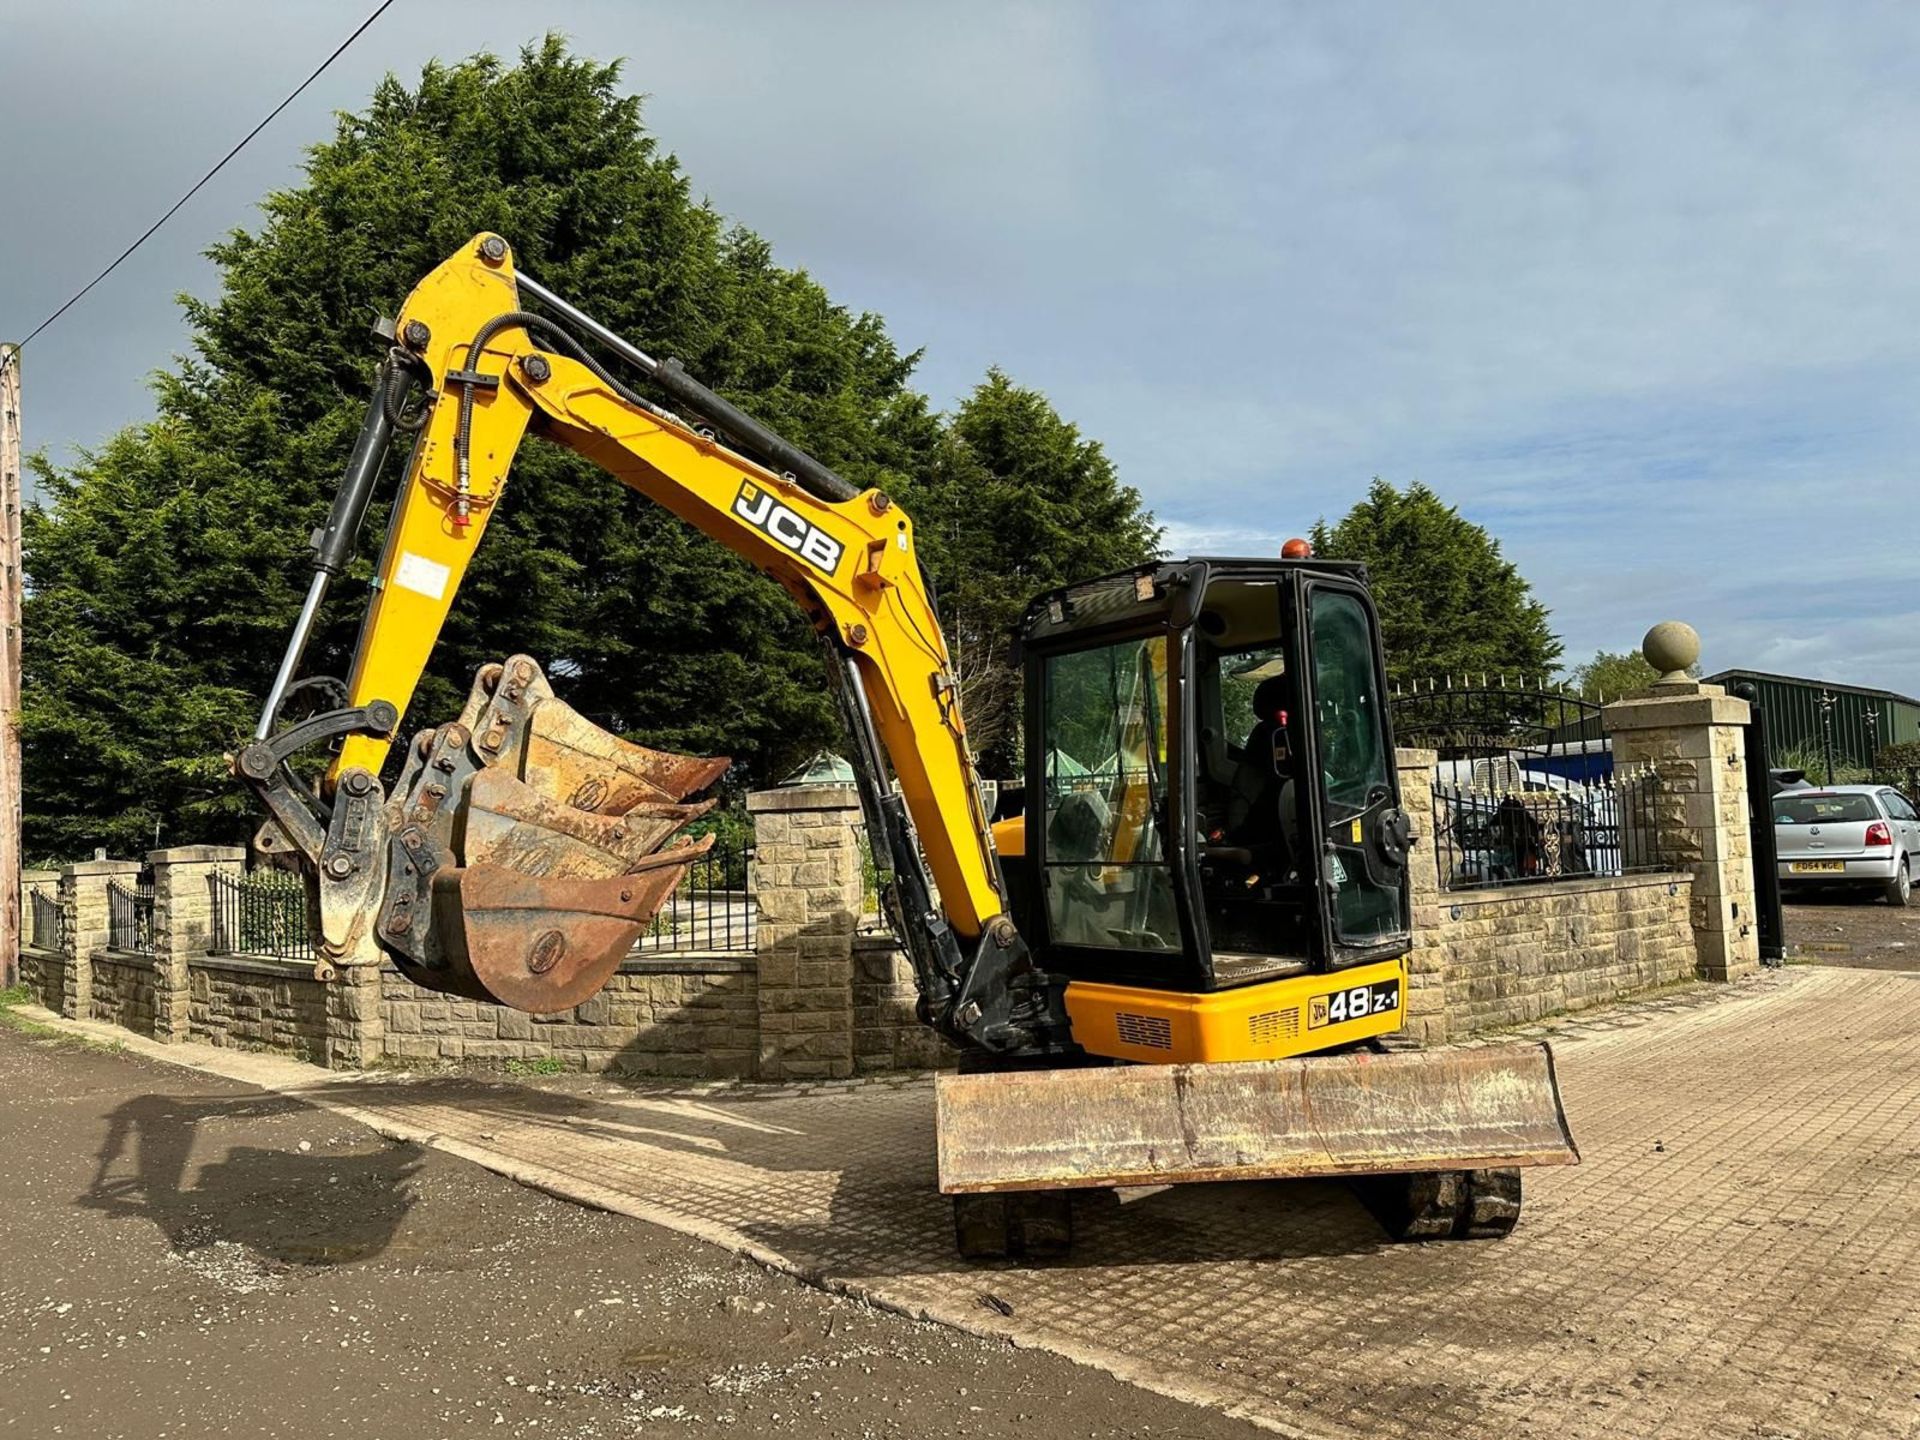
(1609, 675)
(165, 570)
(1900, 760)
(1811, 758)
(1015, 502)
(1450, 603)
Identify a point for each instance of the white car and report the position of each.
(1853, 835)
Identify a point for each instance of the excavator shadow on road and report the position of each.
(837, 1183)
(171, 1160)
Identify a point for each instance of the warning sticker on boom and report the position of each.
(421, 575)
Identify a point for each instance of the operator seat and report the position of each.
(1261, 806)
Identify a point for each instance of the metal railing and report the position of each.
(1542, 733)
(1486, 837)
(712, 908)
(130, 917)
(262, 914)
(49, 920)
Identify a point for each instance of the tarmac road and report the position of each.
(1851, 930)
(187, 1256)
(1734, 1257)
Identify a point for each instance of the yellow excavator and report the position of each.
(1179, 964)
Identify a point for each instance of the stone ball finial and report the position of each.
(1671, 647)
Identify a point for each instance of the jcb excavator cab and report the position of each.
(1214, 855)
(1189, 840)
(1213, 805)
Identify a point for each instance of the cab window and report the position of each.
(1355, 782)
(1104, 775)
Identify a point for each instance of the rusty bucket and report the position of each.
(528, 846)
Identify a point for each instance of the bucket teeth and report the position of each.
(528, 853)
(566, 755)
(511, 823)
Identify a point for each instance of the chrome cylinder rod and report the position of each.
(620, 346)
(296, 647)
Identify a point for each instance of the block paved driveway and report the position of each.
(1737, 1256)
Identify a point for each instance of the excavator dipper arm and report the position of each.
(493, 370)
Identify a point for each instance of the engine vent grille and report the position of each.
(1155, 1032)
(1271, 1026)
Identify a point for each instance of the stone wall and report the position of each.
(1486, 959)
(682, 1015)
(808, 889)
(820, 999)
(123, 990)
(44, 973)
(887, 1033)
(1513, 956)
(248, 1004)
(1693, 735)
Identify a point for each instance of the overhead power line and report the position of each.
(149, 232)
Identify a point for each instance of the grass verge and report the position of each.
(15, 996)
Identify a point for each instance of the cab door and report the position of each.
(1352, 801)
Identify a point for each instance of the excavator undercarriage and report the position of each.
(1179, 966)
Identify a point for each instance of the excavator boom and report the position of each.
(493, 370)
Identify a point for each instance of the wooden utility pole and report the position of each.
(10, 601)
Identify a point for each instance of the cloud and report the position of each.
(1633, 285)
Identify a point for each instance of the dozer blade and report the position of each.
(1350, 1114)
(543, 944)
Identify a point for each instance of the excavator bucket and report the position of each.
(542, 944)
(1351, 1114)
(531, 848)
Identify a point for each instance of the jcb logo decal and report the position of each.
(812, 544)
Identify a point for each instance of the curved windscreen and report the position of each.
(1105, 777)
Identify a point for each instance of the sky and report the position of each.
(1634, 286)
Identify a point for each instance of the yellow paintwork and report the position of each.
(1010, 836)
(1253, 1022)
(872, 598)
(403, 622)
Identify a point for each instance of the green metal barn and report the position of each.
(1864, 720)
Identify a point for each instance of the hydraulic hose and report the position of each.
(672, 377)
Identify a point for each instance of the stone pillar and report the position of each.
(30, 881)
(1426, 1017)
(356, 1028)
(11, 970)
(182, 924)
(807, 887)
(83, 895)
(1692, 735)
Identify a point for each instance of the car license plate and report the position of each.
(1819, 867)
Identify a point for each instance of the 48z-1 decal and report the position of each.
(1356, 1002)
